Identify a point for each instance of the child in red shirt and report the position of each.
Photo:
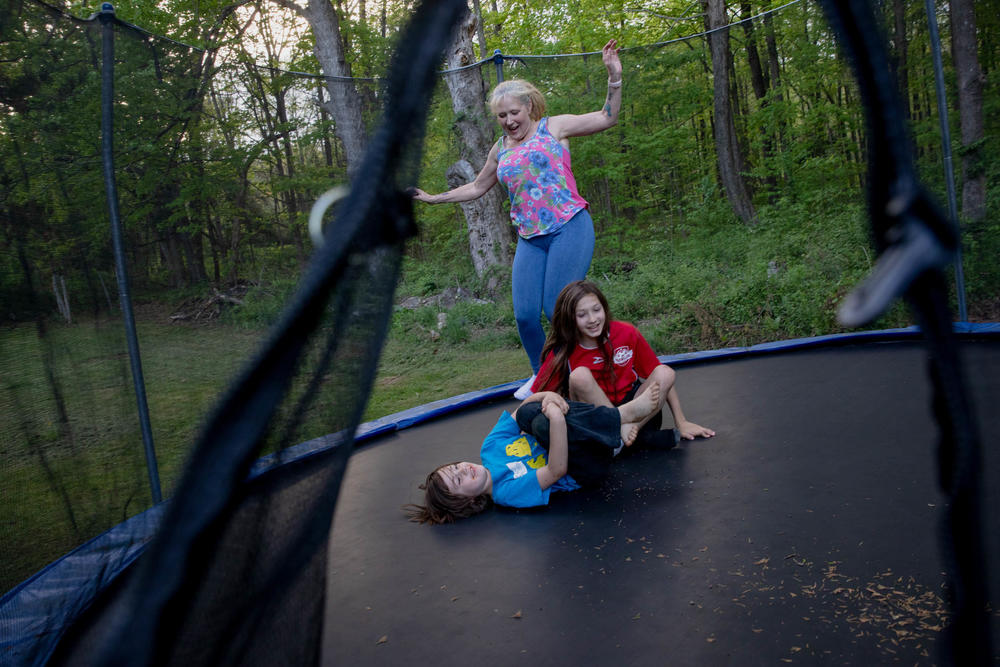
(591, 358)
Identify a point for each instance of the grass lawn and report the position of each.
(67, 479)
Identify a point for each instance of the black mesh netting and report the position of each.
(239, 551)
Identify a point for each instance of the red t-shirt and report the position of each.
(632, 358)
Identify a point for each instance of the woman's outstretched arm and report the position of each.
(572, 125)
(485, 180)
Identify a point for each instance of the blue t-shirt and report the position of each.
(513, 460)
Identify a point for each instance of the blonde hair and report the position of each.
(522, 91)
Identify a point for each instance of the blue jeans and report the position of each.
(543, 265)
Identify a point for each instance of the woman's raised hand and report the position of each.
(611, 60)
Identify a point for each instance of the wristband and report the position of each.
(615, 84)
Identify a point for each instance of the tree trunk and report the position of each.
(490, 232)
(900, 55)
(62, 298)
(970, 107)
(757, 76)
(760, 84)
(324, 117)
(195, 258)
(344, 103)
(291, 194)
(481, 33)
(171, 256)
(773, 64)
(729, 155)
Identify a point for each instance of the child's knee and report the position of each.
(665, 376)
(580, 378)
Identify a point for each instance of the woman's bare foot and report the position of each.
(636, 410)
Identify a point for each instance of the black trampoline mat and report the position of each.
(804, 532)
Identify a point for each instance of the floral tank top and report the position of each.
(540, 183)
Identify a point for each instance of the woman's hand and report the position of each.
(420, 195)
(611, 60)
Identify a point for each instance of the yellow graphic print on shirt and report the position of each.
(520, 448)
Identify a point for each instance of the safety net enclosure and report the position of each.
(73, 436)
(236, 567)
(329, 337)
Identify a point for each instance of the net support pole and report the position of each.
(949, 170)
(107, 15)
(498, 61)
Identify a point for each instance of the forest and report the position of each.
(228, 132)
(728, 202)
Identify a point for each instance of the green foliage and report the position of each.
(262, 305)
(722, 283)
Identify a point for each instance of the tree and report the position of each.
(345, 102)
(490, 234)
(970, 106)
(730, 156)
(900, 51)
(759, 79)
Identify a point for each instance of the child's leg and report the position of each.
(591, 433)
(685, 429)
(638, 411)
(584, 387)
(585, 423)
(664, 377)
(588, 424)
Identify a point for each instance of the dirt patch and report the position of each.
(987, 310)
(208, 307)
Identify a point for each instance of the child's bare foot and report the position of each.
(642, 405)
(638, 409)
(629, 433)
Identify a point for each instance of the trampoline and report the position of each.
(808, 530)
(805, 531)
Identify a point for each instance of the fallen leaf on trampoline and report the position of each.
(384, 639)
(516, 614)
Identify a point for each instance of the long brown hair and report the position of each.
(443, 506)
(565, 335)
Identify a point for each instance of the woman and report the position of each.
(555, 231)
